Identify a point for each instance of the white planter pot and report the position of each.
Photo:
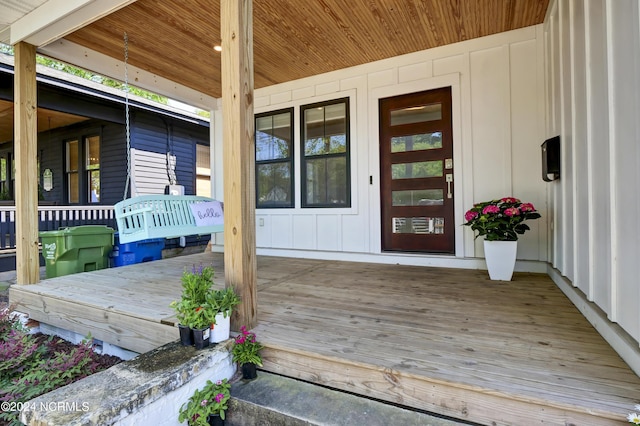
(501, 259)
(221, 329)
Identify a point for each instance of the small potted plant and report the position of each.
(207, 406)
(246, 352)
(192, 308)
(500, 222)
(222, 303)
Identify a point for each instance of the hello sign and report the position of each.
(207, 213)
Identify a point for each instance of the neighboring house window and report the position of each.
(92, 166)
(73, 181)
(203, 171)
(325, 154)
(274, 159)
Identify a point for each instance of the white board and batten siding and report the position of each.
(593, 99)
(498, 126)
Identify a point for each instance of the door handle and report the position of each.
(449, 179)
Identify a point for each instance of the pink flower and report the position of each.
(219, 397)
(527, 207)
(510, 200)
(491, 209)
(204, 403)
(240, 339)
(470, 215)
(512, 211)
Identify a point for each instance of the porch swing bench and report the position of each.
(167, 216)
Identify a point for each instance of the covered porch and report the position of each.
(447, 341)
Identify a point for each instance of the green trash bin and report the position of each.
(76, 249)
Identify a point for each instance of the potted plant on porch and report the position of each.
(500, 222)
(207, 406)
(221, 303)
(246, 352)
(192, 310)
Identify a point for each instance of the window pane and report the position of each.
(273, 137)
(419, 197)
(72, 156)
(74, 191)
(416, 114)
(274, 185)
(418, 225)
(416, 142)
(93, 153)
(325, 130)
(327, 181)
(94, 186)
(422, 169)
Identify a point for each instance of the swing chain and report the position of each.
(126, 113)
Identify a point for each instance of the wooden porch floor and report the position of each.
(443, 340)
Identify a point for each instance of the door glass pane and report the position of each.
(421, 169)
(418, 225)
(418, 197)
(416, 114)
(419, 142)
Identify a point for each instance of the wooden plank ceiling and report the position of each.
(296, 38)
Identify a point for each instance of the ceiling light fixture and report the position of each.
(217, 48)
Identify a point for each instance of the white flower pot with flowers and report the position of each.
(221, 302)
(500, 222)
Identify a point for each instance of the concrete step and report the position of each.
(272, 400)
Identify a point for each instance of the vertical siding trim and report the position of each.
(566, 214)
(613, 181)
(591, 195)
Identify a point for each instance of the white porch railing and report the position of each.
(54, 217)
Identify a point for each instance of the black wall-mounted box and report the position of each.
(551, 159)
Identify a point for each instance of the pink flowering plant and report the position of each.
(210, 400)
(500, 220)
(246, 349)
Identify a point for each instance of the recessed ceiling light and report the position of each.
(217, 48)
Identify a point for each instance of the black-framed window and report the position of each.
(92, 166)
(82, 169)
(325, 154)
(72, 168)
(274, 159)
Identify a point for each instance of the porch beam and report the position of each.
(78, 55)
(26, 148)
(238, 158)
(57, 18)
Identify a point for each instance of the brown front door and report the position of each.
(416, 172)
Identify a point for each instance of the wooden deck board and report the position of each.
(448, 341)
